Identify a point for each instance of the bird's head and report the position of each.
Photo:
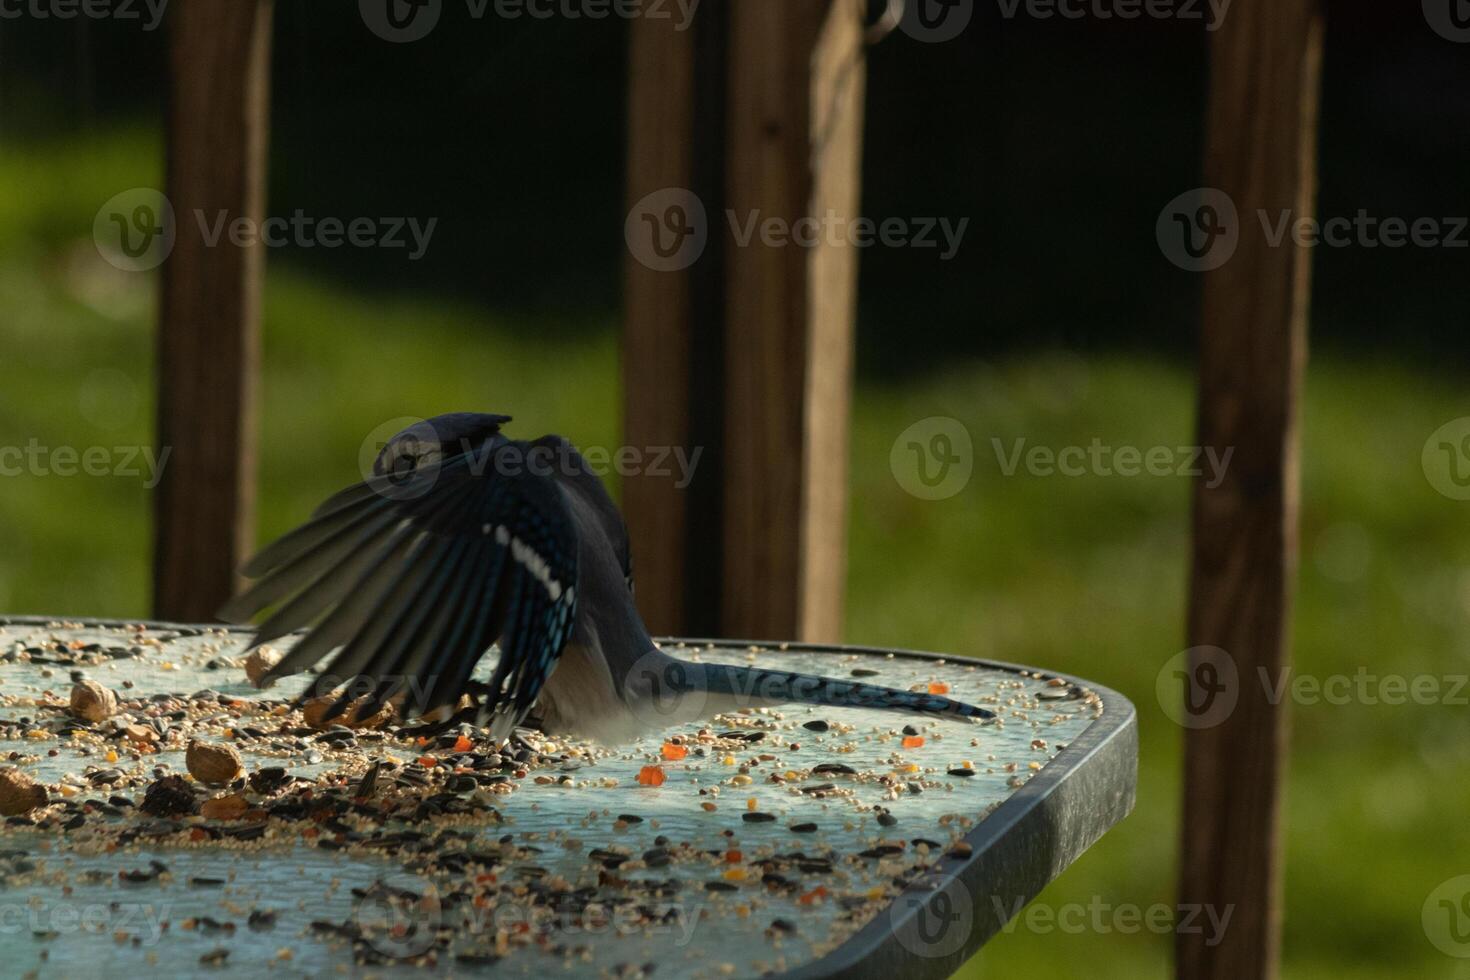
(434, 440)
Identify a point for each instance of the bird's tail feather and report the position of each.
(751, 686)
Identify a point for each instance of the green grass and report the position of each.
(1087, 575)
(1081, 574)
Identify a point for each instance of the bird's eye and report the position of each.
(403, 464)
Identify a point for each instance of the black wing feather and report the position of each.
(414, 578)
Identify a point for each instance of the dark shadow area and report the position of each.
(1059, 140)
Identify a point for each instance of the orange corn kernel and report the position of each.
(674, 752)
(463, 744)
(651, 776)
(913, 741)
(813, 896)
(938, 687)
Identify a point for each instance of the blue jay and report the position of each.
(463, 537)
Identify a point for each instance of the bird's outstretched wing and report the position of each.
(415, 575)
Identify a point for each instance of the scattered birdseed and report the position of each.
(92, 702)
(259, 662)
(323, 712)
(213, 764)
(388, 815)
(231, 807)
(19, 793)
(168, 797)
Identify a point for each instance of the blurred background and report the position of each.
(1058, 320)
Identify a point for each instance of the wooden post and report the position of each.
(1266, 64)
(209, 313)
(671, 362)
(751, 345)
(797, 73)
